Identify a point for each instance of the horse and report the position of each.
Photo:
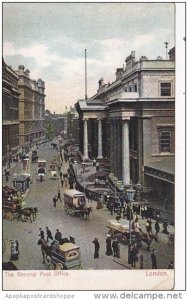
(34, 211)
(27, 213)
(87, 211)
(145, 237)
(45, 249)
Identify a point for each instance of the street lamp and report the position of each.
(138, 191)
(130, 196)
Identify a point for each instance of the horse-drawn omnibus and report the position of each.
(53, 170)
(75, 203)
(64, 254)
(41, 170)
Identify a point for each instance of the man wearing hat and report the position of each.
(97, 246)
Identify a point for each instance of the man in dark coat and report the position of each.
(49, 234)
(58, 235)
(55, 200)
(108, 245)
(41, 234)
(153, 259)
(59, 196)
(115, 247)
(157, 227)
(97, 246)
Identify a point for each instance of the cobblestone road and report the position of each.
(84, 231)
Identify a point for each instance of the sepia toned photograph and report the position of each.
(88, 146)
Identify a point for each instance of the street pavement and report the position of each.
(84, 231)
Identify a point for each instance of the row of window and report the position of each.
(165, 89)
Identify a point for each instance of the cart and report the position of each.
(121, 229)
(62, 255)
(53, 170)
(74, 202)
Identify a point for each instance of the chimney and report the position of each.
(119, 72)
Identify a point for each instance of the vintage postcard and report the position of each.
(93, 121)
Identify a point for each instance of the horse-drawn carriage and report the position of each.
(64, 254)
(75, 203)
(121, 229)
(53, 170)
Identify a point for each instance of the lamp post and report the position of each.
(130, 196)
(75, 167)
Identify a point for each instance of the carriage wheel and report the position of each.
(51, 266)
(9, 216)
(48, 258)
(123, 239)
(59, 266)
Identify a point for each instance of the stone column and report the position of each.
(85, 140)
(111, 146)
(140, 150)
(116, 147)
(100, 156)
(125, 153)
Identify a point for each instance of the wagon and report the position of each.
(64, 254)
(53, 170)
(74, 202)
(120, 228)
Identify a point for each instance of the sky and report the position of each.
(50, 40)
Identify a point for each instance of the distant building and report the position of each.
(10, 113)
(73, 125)
(31, 108)
(131, 122)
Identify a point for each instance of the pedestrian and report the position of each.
(111, 207)
(14, 253)
(62, 182)
(150, 225)
(147, 226)
(54, 200)
(108, 245)
(58, 235)
(165, 226)
(49, 234)
(97, 247)
(145, 212)
(59, 196)
(134, 256)
(157, 227)
(41, 234)
(94, 162)
(115, 247)
(141, 262)
(97, 166)
(153, 259)
(142, 212)
(17, 247)
(60, 175)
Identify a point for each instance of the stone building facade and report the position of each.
(10, 112)
(131, 122)
(31, 108)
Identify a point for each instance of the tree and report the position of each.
(49, 130)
